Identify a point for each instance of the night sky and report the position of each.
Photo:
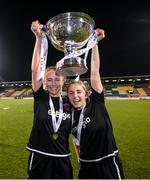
(125, 51)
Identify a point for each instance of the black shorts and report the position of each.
(48, 167)
(109, 168)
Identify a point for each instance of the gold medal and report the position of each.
(55, 136)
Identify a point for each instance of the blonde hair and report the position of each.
(50, 68)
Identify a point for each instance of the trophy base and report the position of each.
(72, 67)
(69, 70)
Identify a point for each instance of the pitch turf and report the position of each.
(130, 119)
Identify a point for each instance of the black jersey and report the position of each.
(97, 139)
(42, 138)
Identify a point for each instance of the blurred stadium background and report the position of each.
(127, 100)
(115, 87)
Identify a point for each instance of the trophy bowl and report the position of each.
(69, 32)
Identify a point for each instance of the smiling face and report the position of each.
(77, 95)
(53, 82)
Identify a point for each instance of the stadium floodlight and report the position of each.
(114, 80)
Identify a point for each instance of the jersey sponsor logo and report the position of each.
(64, 116)
(85, 122)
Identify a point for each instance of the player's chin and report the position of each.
(54, 93)
(78, 107)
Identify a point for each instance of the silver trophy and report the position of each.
(69, 32)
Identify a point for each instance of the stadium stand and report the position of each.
(114, 87)
(15, 90)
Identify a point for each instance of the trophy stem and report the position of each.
(69, 47)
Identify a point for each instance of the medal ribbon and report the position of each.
(44, 52)
(55, 123)
(79, 127)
